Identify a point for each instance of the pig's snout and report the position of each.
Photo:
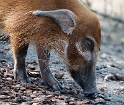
(82, 62)
(89, 86)
(87, 80)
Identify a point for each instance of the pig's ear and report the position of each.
(63, 17)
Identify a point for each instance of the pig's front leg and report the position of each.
(19, 66)
(48, 78)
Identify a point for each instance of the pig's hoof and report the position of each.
(54, 84)
(57, 86)
(51, 81)
(25, 81)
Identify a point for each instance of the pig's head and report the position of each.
(82, 52)
(84, 36)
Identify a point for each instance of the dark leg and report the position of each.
(19, 66)
(48, 78)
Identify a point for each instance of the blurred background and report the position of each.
(108, 7)
(111, 17)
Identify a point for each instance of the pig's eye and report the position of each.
(89, 43)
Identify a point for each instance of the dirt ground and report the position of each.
(109, 72)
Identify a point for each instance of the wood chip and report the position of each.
(119, 77)
(72, 103)
(9, 79)
(35, 104)
(100, 100)
(33, 74)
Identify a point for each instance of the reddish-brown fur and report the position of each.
(12, 10)
(23, 28)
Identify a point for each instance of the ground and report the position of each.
(110, 63)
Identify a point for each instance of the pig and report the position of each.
(66, 26)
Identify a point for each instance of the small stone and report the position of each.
(119, 77)
(107, 98)
(34, 92)
(109, 76)
(72, 99)
(9, 79)
(6, 92)
(10, 66)
(37, 99)
(32, 95)
(121, 82)
(14, 104)
(72, 103)
(83, 102)
(101, 96)
(33, 74)
(17, 86)
(48, 96)
(8, 75)
(104, 56)
(100, 100)
(7, 48)
(53, 100)
(61, 97)
(2, 96)
(35, 104)
(22, 88)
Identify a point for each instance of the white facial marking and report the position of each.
(65, 45)
(86, 54)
